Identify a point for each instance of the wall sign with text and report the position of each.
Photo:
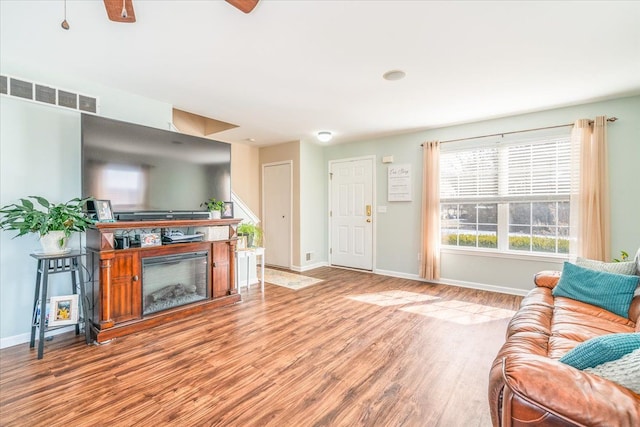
(399, 183)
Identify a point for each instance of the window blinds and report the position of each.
(527, 170)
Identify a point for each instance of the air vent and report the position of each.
(45, 94)
(21, 89)
(4, 86)
(88, 104)
(67, 99)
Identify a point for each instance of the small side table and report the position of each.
(248, 253)
(52, 264)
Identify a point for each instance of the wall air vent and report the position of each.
(4, 85)
(46, 94)
(21, 89)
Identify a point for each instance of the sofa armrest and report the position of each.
(537, 387)
(547, 279)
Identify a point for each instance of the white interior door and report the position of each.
(277, 211)
(351, 214)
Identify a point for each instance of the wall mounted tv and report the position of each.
(150, 173)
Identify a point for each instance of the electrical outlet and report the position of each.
(309, 256)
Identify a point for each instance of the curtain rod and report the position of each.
(611, 119)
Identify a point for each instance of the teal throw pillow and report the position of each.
(610, 291)
(602, 349)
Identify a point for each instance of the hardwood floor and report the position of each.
(311, 357)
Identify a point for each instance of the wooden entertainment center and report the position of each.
(118, 306)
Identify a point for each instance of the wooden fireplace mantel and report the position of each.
(115, 290)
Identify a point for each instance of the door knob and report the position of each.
(368, 219)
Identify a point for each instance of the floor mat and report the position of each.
(288, 280)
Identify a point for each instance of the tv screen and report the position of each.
(143, 169)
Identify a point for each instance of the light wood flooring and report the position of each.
(327, 355)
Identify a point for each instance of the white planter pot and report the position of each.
(54, 242)
(214, 214)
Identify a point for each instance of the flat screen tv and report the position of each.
(150, 173)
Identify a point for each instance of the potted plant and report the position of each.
(253, 233)
(54, 223)
(214, 207)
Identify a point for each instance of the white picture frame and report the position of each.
(63, 310)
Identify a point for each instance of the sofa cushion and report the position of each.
(625, 267)
(624, 371)
(610, 291)
(575, 322)
(603, 349)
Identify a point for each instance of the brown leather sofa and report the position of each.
(528, 386)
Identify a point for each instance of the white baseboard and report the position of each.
(300, 269)
(460, 283)
(24, 338)
(398, 274)
(484, 287)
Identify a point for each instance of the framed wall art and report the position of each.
(63, 310)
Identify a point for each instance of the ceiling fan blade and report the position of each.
(120, 10)
(244, 5)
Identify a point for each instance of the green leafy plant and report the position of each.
(43, 217)
(253, 233)
(213, 205)
(623, 257)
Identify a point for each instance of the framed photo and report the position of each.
(150, 239)
(227, 210)
(242, 243)
(103, 210)
(63, 310)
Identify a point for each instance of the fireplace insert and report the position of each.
(174, 280)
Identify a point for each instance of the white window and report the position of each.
(508, 196)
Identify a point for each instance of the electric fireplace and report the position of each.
(174, 280)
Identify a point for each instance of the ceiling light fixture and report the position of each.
(394, 75)
(324, 136)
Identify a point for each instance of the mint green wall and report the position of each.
(397, 242)
(397, 231)
(40, 155)
(313, 205)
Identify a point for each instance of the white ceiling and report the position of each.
(292, 68)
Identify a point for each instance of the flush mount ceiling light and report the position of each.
(394, 75)
(325, 136)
